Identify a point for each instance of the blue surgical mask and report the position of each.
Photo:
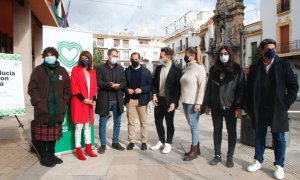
(270, 54)
(162, 62)
(85, 62)
(50, 59)
(224, 59)
(114, 61)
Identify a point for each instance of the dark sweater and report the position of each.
(135, 81)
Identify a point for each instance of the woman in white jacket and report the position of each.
(192, 92)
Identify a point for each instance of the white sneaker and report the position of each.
(157, 146)
(279, 173)
(167, 148)
(255, 166)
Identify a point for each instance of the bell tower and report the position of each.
(228, 25)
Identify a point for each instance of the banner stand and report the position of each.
(28, 139)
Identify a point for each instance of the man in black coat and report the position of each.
(111, 82)
(166, 94)
(271, 90)
(138, 88)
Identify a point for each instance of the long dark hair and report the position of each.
(219, 66)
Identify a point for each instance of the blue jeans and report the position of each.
(192, 119)
(265, 120)
(117, 124)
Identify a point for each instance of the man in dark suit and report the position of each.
(271, 90)
(166, 94)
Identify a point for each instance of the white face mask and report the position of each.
(114, 61)
(224, 59)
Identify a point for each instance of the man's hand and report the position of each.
(138, 91)
(114, 85)
(130, 91)
(197, 107)
(154, 100)
(238, 113)
(207, 110)
(171, 108)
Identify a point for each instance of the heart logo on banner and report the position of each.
(69, 53)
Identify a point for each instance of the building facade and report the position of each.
(21, 30)
(252, 37)
(206, 34)
(280, 22)
(148, 46)
(185, 35)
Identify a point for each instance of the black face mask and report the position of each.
(85, 63)
(186, 59)
(135, 63)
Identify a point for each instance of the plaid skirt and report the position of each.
(42, 132)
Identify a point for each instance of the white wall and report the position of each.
(295, 15)
(268, 15)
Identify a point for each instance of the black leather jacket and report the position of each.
(226, 93)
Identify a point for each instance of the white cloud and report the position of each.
(113, 16)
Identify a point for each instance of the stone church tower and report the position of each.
(228, 25)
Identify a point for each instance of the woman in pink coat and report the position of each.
(84, 91)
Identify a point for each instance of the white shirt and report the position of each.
(268, 66)
(163, 78)
(88, 80)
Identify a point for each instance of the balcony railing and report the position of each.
(293, 46)
(283, 6)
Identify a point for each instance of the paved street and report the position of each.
(17, 162)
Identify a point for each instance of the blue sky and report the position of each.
(115, 15)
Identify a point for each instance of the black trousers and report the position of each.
(230, 120)
(161, 112)
(46, 148)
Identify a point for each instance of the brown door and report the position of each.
(284, 39)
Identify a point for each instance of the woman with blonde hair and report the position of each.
(193, 83)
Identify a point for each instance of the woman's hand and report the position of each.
(88, 101)
(197, 107)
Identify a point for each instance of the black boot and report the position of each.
(216, 160)
(118, 146)
(45, 159)
(229, 162)
(102, 149)
(51, 151)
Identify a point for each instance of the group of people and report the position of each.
(266, 95)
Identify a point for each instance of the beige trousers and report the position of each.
(133, 108)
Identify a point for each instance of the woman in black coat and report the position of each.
(224, 97)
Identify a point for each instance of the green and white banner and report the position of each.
(69, 43)
(11, 85)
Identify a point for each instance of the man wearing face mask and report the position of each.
(49, 90)
(271, 90)
(166, 94)
(138, 88)
(111, 82)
